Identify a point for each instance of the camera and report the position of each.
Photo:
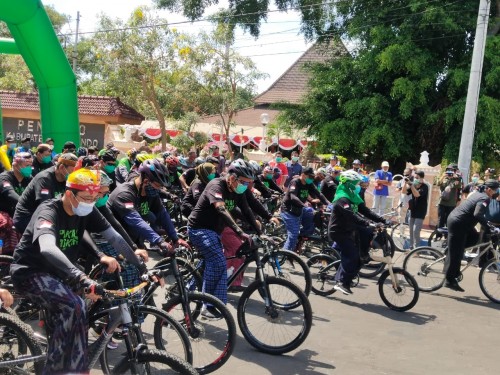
(407, 179)
(449, 172)
(492, 170)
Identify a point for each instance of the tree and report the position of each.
(140, 63)
(403, 88)
(221, 78)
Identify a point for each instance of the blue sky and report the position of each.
(279, 45)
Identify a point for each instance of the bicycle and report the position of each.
(427, 264)
(266, 307)
(107, 322)
(20, 351)
(438, 238)
(397, 288)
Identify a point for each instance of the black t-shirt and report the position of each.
(328, 188)
(205, 216)
(42, 187)
(10, 191)
(189, 176)
(192, 196)
(471, 211)
(50, 218)
(418, 206)
(126, 198)
(297, 195)
(38, 167)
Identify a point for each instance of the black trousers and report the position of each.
(443, 213)
(460, 236)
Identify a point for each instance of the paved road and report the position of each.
(445, 333)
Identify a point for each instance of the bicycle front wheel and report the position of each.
(489, 280)
(400, 294)
(426, 265)
(18, 346)
(323, 269)
(400, 235)
(212, 341)
(154, 362)
(273, 329)
(288, 265)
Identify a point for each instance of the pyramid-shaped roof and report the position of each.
(292, 85)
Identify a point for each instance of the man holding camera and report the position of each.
(418, 192)
(450, 185)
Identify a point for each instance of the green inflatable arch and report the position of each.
(36, 40)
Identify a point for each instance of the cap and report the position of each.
(334, 157)
(49, 140)
(308, 171)
(385, 164)
(69, 145)
(420, 173)
(67, 159)
(492, 184)
(9, 138)
(110, 145)
(356, 161)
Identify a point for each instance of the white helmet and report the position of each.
(350, 176)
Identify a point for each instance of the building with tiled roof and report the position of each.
(21, 116)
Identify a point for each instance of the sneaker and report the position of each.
(112, 345)
(343, 288)
(454, 285)
(211, 313)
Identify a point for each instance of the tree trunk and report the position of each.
(151, 97)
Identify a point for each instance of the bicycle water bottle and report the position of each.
(230, 271)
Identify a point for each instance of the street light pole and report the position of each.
(264, 119)
(241, 141)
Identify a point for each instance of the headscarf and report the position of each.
(346, 190)
(203, 170)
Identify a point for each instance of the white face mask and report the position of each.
(83, 209)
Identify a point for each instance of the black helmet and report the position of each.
(199, 161)
(155, 171)
(241, 168)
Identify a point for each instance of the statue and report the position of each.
(424, 158)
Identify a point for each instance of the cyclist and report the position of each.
(208, 219)
(204, 173)
(174, 167)
(14, 182)
(108, 165)
(214, 152)
(345, 224)
(42, 268)
(266, 177)
(42, 159)
(137, 203)
(188, 176)
(329, 185)
(45, 185)
(296, 208)
(461, 223)
(125, 165)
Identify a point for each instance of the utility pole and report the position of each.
(467, 141)
(75, 54)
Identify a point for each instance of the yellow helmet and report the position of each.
(85, 180)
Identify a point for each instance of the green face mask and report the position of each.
(109, 168)
(240, 189)
(211, 176)
(309, 181)
(26, 171)
(102, 201)
(46, 159)
(269, 176)
(278, 160)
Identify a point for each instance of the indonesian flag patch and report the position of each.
(129, 205)
(218, 195)
(6, 184)
(196, 191)
(346, 205)
(44, 224)
(292, 188)
(44, 191)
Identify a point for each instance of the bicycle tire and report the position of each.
(212, 341)
(155, 362)
(192, 278)
(323, 273)
(438, 241)
(426, 265)
(292, 268)
(400, 235)
(14, 332)
(161, 332)
(255, 321)
(489, 280)
(373, 268)
(405, 296)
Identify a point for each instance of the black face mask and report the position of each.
(151, 191)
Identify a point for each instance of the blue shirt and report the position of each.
(294, 169)
(382, 189)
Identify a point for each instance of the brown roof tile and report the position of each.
(245, 117)
(88, 105)
(292, 85)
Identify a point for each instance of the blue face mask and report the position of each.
(240, 189)
(151, 191)
(12, 145)
(357, 189)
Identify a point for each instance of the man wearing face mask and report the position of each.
(14, 182)
(209, 218)
(461, 223)
(278, 163)
(418, 191)
(296, 208)
(204, 174)
(43, 268)
(215, 152)
(43, 158)
(138, 206)
(329, 184)
(25, 145)
(45, 185)
(108, 165)
(7, 152)
(472, 186)
(294, 168)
